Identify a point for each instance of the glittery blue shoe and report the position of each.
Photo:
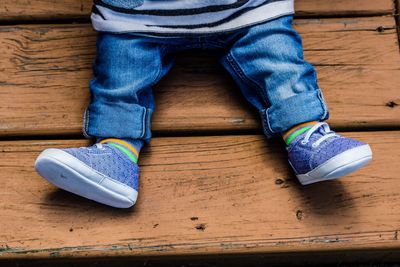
(102, 172)
(321, 154)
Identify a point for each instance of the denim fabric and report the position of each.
(265, 60)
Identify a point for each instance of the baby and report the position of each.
(136, 45)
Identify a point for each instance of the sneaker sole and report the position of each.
(68, 173)
(338, 166)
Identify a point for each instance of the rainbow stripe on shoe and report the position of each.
(124, 146)
(299, 129)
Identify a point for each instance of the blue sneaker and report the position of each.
(102, 173)
(320, 154)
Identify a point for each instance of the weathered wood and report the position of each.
(397, 17)
(45, 69)
(44, 74)
(204, 195)
(342, 7)
(70, 9)
(44, 9)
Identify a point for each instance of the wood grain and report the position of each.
(342, 7)
(45, 69)
(397, 17)
(72, 9)
(204, 195)
(44, 9)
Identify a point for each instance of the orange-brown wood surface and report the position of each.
(63, 9)
(45, 69)
(203, 195)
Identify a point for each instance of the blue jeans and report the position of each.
(265, 60)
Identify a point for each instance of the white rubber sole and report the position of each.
(68, 173)
(338, 166)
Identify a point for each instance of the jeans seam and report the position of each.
(145, 120)
(143, 124)
(238, 70)
(323, 104)
(86, 118)
(247, 80)
(159, 71)
(267, 121)
(264, 123)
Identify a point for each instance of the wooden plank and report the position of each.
(44, 9)
(343, 7)
(45, 69)
(204, 195)
(72, 9)
(397, 17)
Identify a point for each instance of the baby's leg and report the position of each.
(125, 69)
(119, 115)
(267, 63)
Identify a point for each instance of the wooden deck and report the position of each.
(226, 191)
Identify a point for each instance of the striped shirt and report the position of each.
(169, 17)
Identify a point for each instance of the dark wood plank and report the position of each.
(204, 195)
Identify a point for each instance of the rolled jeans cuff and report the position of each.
(120, 122)
(304, 107)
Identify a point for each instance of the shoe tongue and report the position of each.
(314, 136)
(320, 131)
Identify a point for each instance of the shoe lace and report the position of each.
(98, 145)
(324, 129)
